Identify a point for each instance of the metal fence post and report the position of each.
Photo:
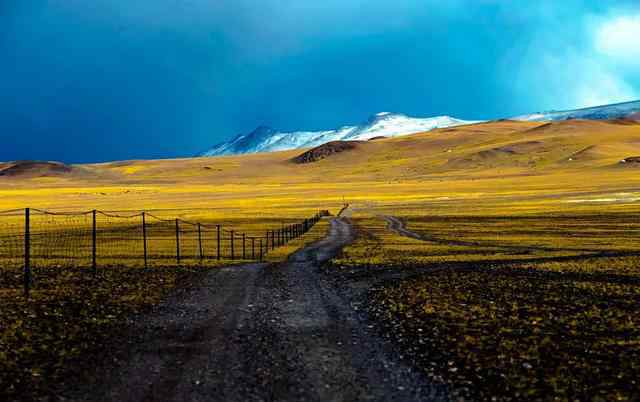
(232, 248)
(177, 241)
(200, 241)
(144, 239)
(218, 240)
(27, 252)
(273, 240)
(94, 246)
(261, 256)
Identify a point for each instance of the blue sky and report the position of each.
(101, 80)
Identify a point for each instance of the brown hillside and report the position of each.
(34, 169)
(326, 150)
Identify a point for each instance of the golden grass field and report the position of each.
(533, 229)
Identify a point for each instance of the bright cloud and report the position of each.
(619, 38)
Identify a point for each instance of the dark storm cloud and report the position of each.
(116, 79)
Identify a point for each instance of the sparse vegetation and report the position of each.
(562, 326)
(59, 332)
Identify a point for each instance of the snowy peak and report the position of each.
(265, 139)
(262, 131)
(606, 112)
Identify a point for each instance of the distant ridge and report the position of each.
(385, 124)
(606, 112)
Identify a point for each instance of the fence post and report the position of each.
(232, 248)
(218, 240)
(200, 241)
(94, 246)
(261, 256)
(267, 240)
(27, 252)
(144, 239)
(273, 240)
(178, 241)
(253, 248)
(244, 240)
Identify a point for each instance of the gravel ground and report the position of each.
(285, 332)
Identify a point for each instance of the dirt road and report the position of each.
(263, 333)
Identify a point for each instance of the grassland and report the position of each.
(521, 221)
(512, 307)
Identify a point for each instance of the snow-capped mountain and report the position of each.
(265, 139)
(614, 111)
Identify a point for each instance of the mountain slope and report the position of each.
(265, 139)
(607, 112)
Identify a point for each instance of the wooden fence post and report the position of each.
(244, 252)
(94, 246)
(200, 241)
(218, 240)
(177, 241)
(232, 250)
(253, 248)
(27, 252)
(144, 239)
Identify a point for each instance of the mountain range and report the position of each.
(385, 124)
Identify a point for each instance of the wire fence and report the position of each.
(96, 239)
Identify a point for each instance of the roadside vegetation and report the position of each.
(512, 308)
(70, 317)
